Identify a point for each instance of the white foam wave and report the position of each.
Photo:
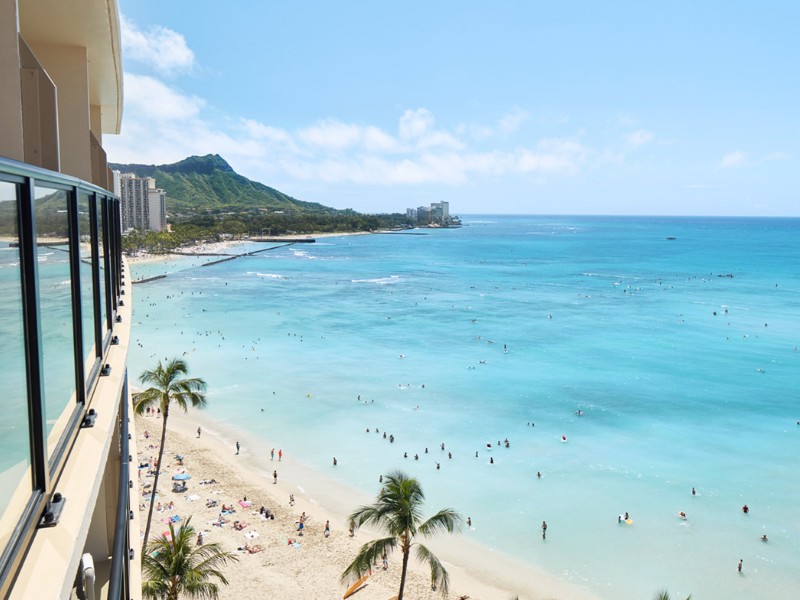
(379, 280)
(266, 275)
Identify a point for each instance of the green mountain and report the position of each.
(208, 184)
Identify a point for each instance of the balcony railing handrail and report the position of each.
(118, 581)
(20, 169)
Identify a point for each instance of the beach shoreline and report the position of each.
(223, 247)
(475, 570)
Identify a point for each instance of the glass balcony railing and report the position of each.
(60, 266)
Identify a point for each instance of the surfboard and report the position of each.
(629, 521)
(354, 588)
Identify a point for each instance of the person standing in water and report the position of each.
(544, 530)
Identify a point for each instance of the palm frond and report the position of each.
(445, 520)
(439, 575)
(176, 565)
(369, 554)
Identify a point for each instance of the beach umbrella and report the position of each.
(181, 477)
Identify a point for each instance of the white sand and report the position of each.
(311, 571)
(221, 247)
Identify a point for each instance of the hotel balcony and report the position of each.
(68, 526)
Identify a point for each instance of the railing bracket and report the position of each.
(52, 512)
(89, 418)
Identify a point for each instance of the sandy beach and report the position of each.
(222, 247)
(312, 568)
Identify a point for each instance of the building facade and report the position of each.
(435, 215)
(66, 525)
(143, 205)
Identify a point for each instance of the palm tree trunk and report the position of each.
(155, 480)
(406, 552)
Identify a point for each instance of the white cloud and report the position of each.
(733, 160)
(148, 96)
(639, 138)
(330, 134)
(414, 124)
(161, 48)
(511, 122)
(163, 125)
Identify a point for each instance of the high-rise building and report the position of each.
(67, 528)
(143, 205)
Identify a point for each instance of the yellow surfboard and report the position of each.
(354, 588)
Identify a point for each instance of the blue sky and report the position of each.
(674, 108)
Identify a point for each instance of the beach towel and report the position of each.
(193, 497)
(245, 503)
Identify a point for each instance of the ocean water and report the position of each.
(682, 355)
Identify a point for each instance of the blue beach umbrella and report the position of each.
(181, 477)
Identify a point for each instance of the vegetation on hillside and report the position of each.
(207, 201)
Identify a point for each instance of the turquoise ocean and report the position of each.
(682, 355)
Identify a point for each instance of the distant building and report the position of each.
(143, 205)
(440, 211)
(437, 214)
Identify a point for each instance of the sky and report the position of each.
(517, 107)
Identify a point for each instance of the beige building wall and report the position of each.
(10, 90)
(68, 68)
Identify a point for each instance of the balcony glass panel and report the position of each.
(87, 285)
(15, 460)
(101, 248)
(55, 307)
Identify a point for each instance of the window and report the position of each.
(15, 460)
(55, 310)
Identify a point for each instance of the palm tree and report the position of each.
(167, 387)
(179, 567)
(397, 510)
(664, 595)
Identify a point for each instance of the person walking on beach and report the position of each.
(280, 455)
(327, 529)
(544, 530)
(237, 447)
(274, 477)
(198, 432)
